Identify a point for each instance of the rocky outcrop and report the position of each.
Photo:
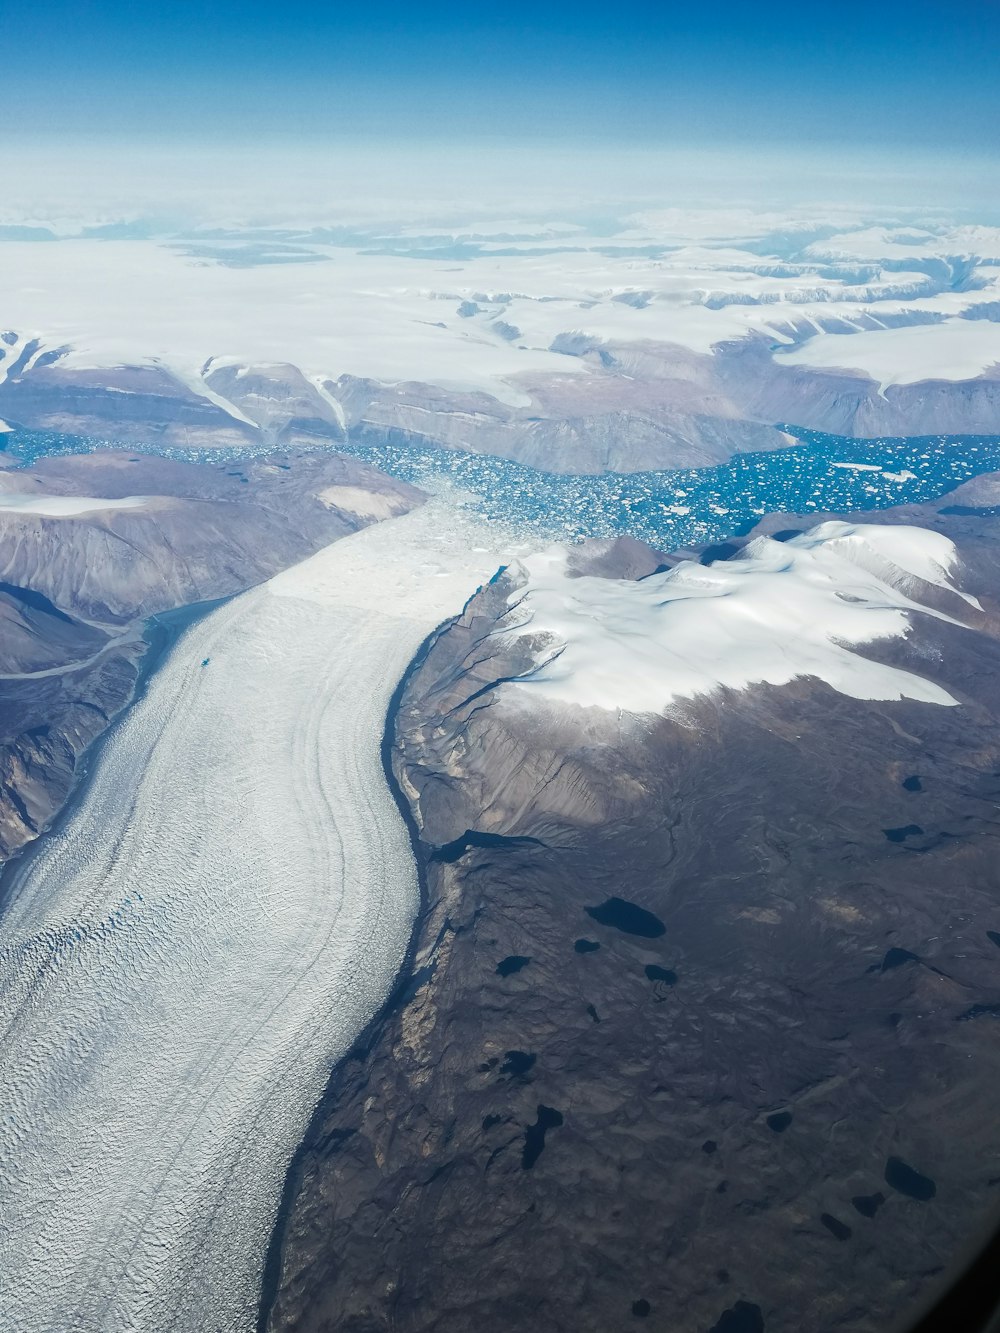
(36, 636)
(280, 401)
(600, 422)
(129, 403)
(697, 1027)
(220, 406)
(47, 723)
(203, 531)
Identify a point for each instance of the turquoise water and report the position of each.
(666, 508)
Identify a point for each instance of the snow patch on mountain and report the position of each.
(783, 610)
(65, 506)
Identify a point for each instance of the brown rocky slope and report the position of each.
(699, 1028)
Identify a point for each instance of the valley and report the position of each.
(217, 941)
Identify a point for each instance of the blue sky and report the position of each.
(814, 72)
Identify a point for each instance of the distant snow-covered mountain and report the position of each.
(572, 351)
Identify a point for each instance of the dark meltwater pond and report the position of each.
(516, 1064)
(534, 1135)
(868, 1204)
(839, 1230)
(455, 850)
(513, 963)
(894, 958)
(903, 1178)
(743, 1317)
(901, 834)
(627, 917)
(662, 974)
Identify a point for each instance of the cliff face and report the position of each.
(647, 408)
(79, 576)
(671, 413)
(849, 402)
(132, 403)
(639, 405)
(698, 1018)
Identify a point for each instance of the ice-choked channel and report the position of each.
(186, 958)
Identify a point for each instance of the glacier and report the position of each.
(183, 962)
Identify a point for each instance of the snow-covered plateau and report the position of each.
(955, 349)
(224, 911)
(782, 610)
(660, 340)
(487, 312)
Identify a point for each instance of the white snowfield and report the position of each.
(783, 610)
(217, 921)
(65, 506)
(957, 349)
(885, 302)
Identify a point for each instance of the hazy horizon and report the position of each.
(69, 183)
(185, 116)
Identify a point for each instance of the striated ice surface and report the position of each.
(781, 611)
(220, 917)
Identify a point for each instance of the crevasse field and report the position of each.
(235, 895)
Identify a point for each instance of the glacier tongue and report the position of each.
(780, 611)
(223, 913)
